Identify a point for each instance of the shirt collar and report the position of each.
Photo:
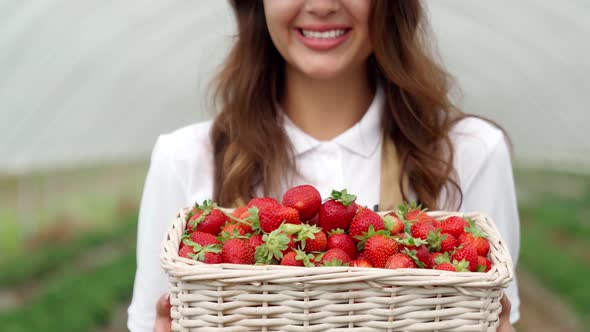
(363, 138)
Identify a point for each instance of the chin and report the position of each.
(322, 71)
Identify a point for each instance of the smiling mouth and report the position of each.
(327, 34)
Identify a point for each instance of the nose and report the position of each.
(322, 8)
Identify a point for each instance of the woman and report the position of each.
(314, 91)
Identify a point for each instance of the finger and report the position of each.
(506, 305)
(163, 306)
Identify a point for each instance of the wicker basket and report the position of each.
(231, 297)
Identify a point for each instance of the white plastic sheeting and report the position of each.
(84, 81)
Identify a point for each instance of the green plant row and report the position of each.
(563, 269)
(26, 266)
(80, 301)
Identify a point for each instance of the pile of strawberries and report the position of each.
(303, 230)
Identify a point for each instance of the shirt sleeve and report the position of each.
(163, 196)
(491, 191)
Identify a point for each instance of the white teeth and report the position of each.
(324, 34)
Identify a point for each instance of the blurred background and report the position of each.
(87, 86)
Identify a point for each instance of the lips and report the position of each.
(323, 38)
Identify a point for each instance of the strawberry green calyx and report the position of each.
(444, 258)
(254, 220)
(389, 222)
(205, 209)
(235, 234)
(336, 231)
(189, 242)
(343, 197)
(302, 232)
(334, 262)
(318, 255)
(476, 232)
(201, 251)
(434, 240)
(291, 229)
(463, 266)
(272, 248)
(410, 241)
(406, 207)
(367, 235)
(305, 258)
(413, 255)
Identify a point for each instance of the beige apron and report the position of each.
(390, 196)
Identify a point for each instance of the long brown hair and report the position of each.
(252, 151)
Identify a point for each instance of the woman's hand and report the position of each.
(505, 325)
(163, 320)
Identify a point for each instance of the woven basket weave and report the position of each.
(231, 297)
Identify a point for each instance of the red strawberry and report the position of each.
(422, 229)
(338, 239)
(361, 263)
(476, 239)
(400, 261)
(235, 229)
(364, 219)
(315, 221)
(467, 253)
(393, 223)
(185, 251)
(446, 267)
(454, 225)
(262, 202)
(424, 217)
(448, 243)
(255, 241)
(209, 255)
(423, 256)
(237, 251)
(362, 255)
(310, 237)
(481, 245)
(271, 217)
(204, 256)
(483, 264)
(305, 199)
(289, 259)
(338, 211)
(238, 212)
(203, 253)
(203, 239)
(297, 258)
(441, 242)
(379, 248)
(335, 257)
(410, 211)
(319, 243)
(206, 218)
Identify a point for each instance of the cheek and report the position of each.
(279, 15)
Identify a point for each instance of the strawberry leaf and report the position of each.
(413, 255)
(343, 197)
(272, 248)
(305, 258)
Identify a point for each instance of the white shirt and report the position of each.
(181, 173)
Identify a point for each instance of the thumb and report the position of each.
(163, 320)
(163, 306)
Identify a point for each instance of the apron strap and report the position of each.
(390, 196)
